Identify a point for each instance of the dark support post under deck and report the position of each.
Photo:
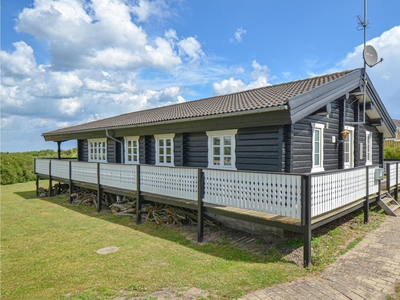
(71, 188)
(200, 212)
(306, 218)
(99, 191)
(50, 181)
(138, 200)
(37, 185)
(366, 202)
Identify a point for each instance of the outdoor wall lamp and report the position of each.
(345, 134)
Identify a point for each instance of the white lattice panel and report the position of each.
(373, 184)
(84, 172)
(42, 166)
(119, 176)
(271, 193)
(391, 175)
(173, 182)
(333, 190)
(60, 168)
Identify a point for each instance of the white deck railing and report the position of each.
(391, 173)
(60, 168)
(118, 176)
(373, 184)
(42, 166)
(271, 193)
(333, 190)
(84, 172)
(172, 182)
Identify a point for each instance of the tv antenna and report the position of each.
(370, 55)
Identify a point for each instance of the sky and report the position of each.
(68, 62)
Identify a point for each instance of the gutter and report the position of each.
(122, 145)
(224, 115)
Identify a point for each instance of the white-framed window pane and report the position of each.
(221, 149)
(131, 149)
(317, 147)
(97, 150)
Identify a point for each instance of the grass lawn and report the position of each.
(48, 251)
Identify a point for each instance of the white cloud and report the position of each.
(20, 63)
(145, 9)
(384, 76)
(190, 47)
(240, 32)
(101, 34)
(231, 85)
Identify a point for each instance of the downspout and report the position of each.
(122, 145)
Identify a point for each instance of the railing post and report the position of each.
(396, 195)
(200, 216)
(366, 202)
(50, 180)
(99, 191)
(71, 188)
(138, 198)
(387, 177)
(306, 218)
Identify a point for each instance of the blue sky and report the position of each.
(71, 61)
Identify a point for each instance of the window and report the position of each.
(221, 149)
(131, 149)
(348, 145)
(368, 147)
(317, 147)
(165, 149)
(98, 150)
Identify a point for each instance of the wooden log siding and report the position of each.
(171, 182)
(301, 155)
(195, 149)
(83, 150)
(278, 194)
(259, 149)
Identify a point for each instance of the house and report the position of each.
(310, 125)
(292, 156)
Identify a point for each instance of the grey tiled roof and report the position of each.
(396, 122)
(264, 97)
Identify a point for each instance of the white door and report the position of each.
(349, 148)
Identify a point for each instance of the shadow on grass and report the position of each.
(275, 249)
(220, 245)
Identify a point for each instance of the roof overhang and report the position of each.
(351, 84)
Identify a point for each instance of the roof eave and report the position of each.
(305, 104)
(58, 136)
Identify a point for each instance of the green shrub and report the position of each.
(17, 167)
(392, 152)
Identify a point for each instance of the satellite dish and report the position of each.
(370, 56)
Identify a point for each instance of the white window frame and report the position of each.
(368, 147)
(350, 140)
(97, 150)
(130, 149)
(317, 167)
(164, 137)
(222, 134)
